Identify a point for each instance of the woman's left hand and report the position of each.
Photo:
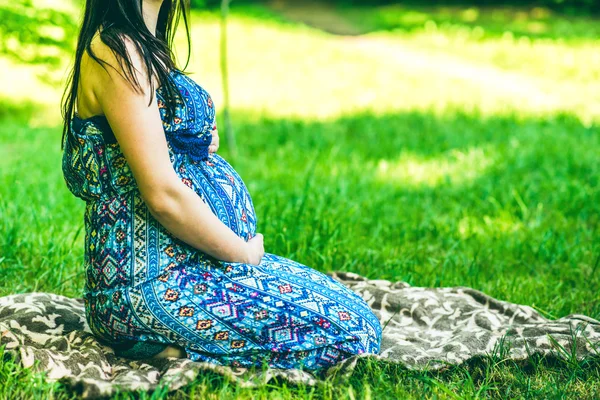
(214, 144)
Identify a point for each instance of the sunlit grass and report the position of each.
(277, 70)
(457, 167)
(287, 69)
(487, 226)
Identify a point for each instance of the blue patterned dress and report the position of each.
(146, 287)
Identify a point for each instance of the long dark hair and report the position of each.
(119, 18)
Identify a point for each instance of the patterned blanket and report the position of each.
(424, 328)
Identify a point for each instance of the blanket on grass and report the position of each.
(423, 328)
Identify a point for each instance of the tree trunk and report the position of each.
(229, 134)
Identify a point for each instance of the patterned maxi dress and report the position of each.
(144, 287)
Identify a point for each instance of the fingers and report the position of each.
(214, 144)
(259, 240)
(257, 249)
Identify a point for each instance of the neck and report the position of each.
(150, 9)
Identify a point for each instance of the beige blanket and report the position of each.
(424, 328)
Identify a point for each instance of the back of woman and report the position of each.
(174, 264)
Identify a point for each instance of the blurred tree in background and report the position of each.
(36, 35)
(565, 6)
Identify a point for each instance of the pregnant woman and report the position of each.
(174, 265)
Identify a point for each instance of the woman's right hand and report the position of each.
(256, 250)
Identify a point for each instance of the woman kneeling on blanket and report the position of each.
(174, 265)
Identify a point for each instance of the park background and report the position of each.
(441, 144)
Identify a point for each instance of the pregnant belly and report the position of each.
(220, 186)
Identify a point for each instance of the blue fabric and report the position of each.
(145, 285)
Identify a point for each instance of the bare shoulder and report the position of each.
(111, 68)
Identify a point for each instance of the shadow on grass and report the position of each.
(505, 204)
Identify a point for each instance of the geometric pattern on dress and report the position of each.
(144, 284)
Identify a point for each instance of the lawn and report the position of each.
(441, 147)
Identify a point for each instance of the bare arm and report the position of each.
(139, 132)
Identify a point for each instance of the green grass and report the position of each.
(409, 173)
(531, 23)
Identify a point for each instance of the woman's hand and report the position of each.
(256, 249)
(214, 144)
